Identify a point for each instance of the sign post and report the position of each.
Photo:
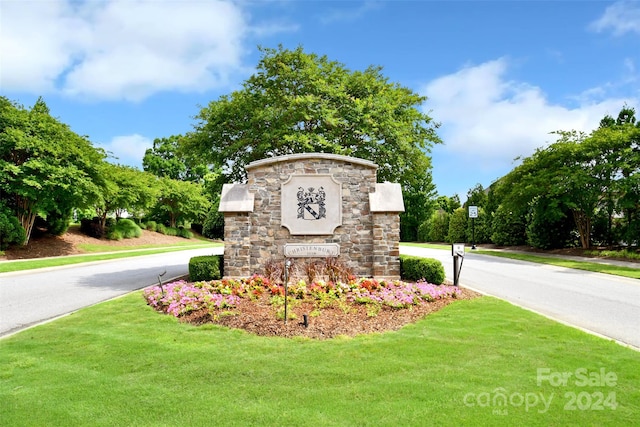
(457, 251)
(473, 214)
(287, 266)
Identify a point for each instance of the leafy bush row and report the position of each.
(125, 228)
(168, 231)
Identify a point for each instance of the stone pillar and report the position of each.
(386, 204)
(237, 259)
(386, 247)
(237, 204)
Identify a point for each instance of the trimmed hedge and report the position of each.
(206, 267)
(413, 268)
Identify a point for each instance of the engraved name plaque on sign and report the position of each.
(311, 250)
(311, 204)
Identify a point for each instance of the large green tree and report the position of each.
(182, 201)
(45, 167)
(583, 176)
(300, 102)
(125, 189)
(167, 159)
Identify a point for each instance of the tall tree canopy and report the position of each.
(125, 189)
(166, 159)
(182, 201)
(45, 168)
(586, 176)
(299, 102)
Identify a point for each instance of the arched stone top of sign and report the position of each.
(307, 156)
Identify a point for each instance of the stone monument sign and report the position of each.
(312, 205)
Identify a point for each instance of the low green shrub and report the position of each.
(206, 267)
(92, 227)
(127, 228)
(110, 223)
(58, 223)
(114, 234)
(161, 228)
(11, 232)
(151, 226)
(414, 268)
(183, 232)
(625, 254)
(171, 231)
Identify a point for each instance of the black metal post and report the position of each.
(456, 269)
(473, 233)
(287, 264)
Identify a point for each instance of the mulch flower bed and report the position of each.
(256, 305)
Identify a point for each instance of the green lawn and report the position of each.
(92, 248)
(131, 251)
(616, 270)
(427, 245)
(121, 363)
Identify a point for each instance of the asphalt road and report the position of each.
(603, 304)
(31, 297)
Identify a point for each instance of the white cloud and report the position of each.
(488, 120)
(621, 17)
(127, 149)
(120, 49)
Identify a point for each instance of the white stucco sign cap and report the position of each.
(236, 198)
(387, 198)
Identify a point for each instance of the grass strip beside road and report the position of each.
(9, 266)
(121, 363)
(633, 273)
(427, 245)
(630, 272)
(93, 248)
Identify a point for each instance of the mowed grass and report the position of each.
(631, 272)
(427, 245)
(121, 363)
(8, 266)
(93, 248)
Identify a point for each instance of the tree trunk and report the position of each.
(103, 216)
(583, 223)
(26, 216)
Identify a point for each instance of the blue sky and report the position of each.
(499, 75)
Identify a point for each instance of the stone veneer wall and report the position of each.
(369, 241)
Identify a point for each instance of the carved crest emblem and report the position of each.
(311, 203)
